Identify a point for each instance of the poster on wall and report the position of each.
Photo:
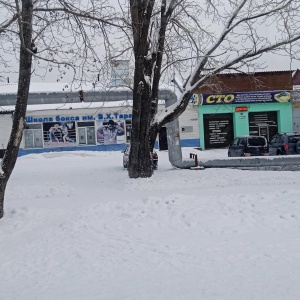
(218, 130)
(59, 134)
(110, 132)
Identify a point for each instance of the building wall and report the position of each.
(189, 127)
(63, 114)
(238, 82)
(260, 81)
(296, 117)
(5, 129)
(94, 115)
(241, 119)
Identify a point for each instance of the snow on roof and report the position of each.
(57, 87)
(79, 105)
(60, 87)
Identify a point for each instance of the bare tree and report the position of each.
(165, 37)
(201, 39)
(61, 35)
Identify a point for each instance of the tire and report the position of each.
(297, 147)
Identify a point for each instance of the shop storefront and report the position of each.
(55, 129)
(95, 126)
(222, 117)
(59, 118)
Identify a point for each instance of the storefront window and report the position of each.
(33, 137)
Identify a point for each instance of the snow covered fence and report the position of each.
(243, 162)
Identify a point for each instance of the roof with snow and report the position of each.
(80, 105)
(57, 87)
(64, 95)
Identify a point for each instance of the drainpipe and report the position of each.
(173, 137)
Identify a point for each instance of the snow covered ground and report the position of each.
(76, 227)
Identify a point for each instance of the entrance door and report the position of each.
(162, 139)
(82, 135)
(90, 132)
(128, 131)
(86, 135)
(263, 130)
(33, 138)
(263, 123)
(38, 138)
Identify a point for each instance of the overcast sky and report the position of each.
(271, 62)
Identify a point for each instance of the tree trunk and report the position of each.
(140, 161)
(11, 152)
(152, 135)
(2, 192)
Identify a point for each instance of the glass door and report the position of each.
(263, 130)
(37, 138)
(128, 131)
(91, 139)
(82, 135)
(33, 138)
(28, 135)
(87, 136)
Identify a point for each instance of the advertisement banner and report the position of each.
(110, 132)
(250, 97)
(59, 134)
(218, 130)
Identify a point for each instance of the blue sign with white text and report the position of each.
(251, 97)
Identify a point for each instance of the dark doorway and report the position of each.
(218, 130)
(162, 139)
(263, 123)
